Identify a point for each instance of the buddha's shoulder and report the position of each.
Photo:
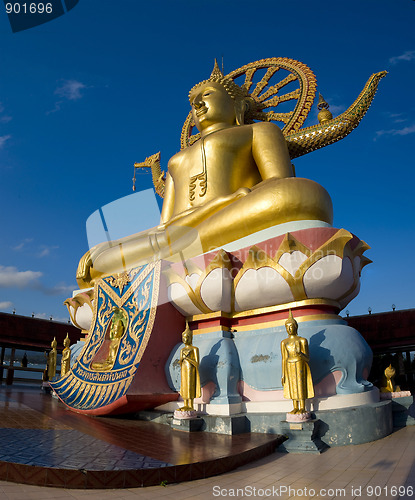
(266, 128)
(177, 158)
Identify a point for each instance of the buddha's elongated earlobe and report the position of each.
(241, 108)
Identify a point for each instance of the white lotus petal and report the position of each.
(181, 300)
(330, 277)
(216, 290)
(292, 261)
(261, 288)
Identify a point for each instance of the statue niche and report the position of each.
(106, 356)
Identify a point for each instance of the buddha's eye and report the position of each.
(205, 94)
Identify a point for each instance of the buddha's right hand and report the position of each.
(83, 273)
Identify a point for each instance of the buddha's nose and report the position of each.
(198, 103)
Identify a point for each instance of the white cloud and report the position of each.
(70, 89)
(60, 289)
(42, 250)
(55, 109)
(11, 277)
(405, 131)
(22, 245)
(6, 304)
(45, 250)
(42, 316)
(336, 109)
(396, 131)
(5, 118)
(409, 55)
(61, 319)
(3, 139)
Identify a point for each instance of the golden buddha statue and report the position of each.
(116, 334)
(236, 180)
(51, 361)
(296, 374)
(189, 364)
(66, 356)
(388, 380)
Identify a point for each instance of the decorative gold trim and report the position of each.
(257, 258)
(338, 245)
(281, 322)
(265, 310)
(211, 329)
(120, 300)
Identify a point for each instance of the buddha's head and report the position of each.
(187, 335)
(218, 100)
(291, 325)
(54, 343)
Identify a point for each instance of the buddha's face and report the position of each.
(211, 104)
(187, 337)
(291, 328)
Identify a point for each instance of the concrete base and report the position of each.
(356, 425)
(187, 424)
(403, 411)
(303, 437)
(281, 406)
(344, 426)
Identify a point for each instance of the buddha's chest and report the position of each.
(216, 165)
(293, 348)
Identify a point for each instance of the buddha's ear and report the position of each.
(241, 107)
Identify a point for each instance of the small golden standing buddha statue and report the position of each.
(189, 364)
(296, 374)
(52, 357)
(66, 356)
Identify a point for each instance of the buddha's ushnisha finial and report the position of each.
(234, 90)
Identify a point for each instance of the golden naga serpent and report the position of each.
(263, 100)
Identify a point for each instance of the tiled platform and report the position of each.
(44, 443)
(383, 469)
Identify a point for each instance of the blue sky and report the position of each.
(85, 96)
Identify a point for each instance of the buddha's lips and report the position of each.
(201, 111)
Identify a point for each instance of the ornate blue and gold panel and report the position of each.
(124, 311)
